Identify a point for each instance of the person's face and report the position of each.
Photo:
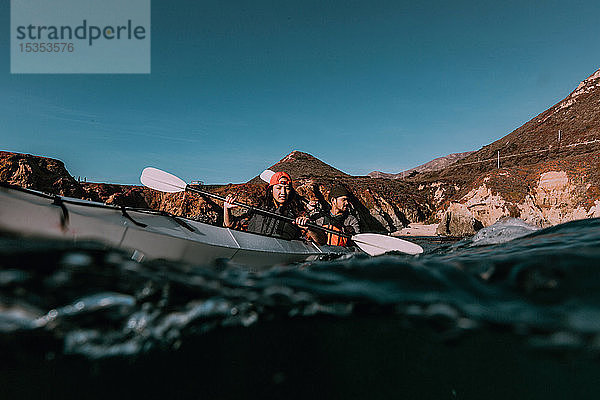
(340, 204)
(281, 192)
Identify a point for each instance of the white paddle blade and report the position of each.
(266, 175)
(375, 245)
(160, 180)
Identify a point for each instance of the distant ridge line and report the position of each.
(434, 165)
(459, 164)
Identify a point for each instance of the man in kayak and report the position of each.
(339, 217)
(280, 198)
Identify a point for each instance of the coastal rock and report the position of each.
(555, 199)
(386, 213)
(38, 173)
(458, 221)
(552, 198)
(130, 198)
(486, 206)
(417, 229)
(186, 204)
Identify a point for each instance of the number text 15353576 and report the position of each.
(35, 47)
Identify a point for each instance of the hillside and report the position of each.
(541, 179)
(569, 128)
(431, 166)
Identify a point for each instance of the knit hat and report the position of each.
(278, 177)
(338, 191)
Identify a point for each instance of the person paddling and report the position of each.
(281, 198)
(339, 217)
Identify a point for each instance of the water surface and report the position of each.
(513, 312)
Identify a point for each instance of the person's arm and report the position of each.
(314, 235)
(228, 221)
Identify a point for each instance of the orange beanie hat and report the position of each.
(278, 177)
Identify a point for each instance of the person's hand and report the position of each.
(301, 222)
(349, 230)
(228, 204)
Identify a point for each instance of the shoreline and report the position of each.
(416, 229)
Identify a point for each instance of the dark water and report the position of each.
(512, 313)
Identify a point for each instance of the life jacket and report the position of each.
(335, 224)
(270, 226)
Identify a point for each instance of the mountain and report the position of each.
(303, 165)
(40, 173)
(431, 166)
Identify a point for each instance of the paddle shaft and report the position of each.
(265, 212)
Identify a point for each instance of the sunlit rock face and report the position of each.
(458, 221)
(552, 199)
(39, 173)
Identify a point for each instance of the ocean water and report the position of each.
(511, 313)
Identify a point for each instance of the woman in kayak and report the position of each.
(280, 198)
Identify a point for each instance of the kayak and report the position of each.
(147, 234)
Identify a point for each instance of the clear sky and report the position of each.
(362, 85)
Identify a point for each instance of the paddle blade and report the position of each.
(160, 180)
(374, 244)
(266, 175)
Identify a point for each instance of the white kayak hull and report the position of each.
(147, 234)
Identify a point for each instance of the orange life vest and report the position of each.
(333, 239)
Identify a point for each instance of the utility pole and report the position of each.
(559, 138)
(498, 159)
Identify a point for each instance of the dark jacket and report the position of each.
(271, 226)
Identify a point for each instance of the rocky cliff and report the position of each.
(545, 172)
(40, 173)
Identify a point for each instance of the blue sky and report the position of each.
(235, 86)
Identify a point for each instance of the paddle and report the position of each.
(371, 243)
(266, 175)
